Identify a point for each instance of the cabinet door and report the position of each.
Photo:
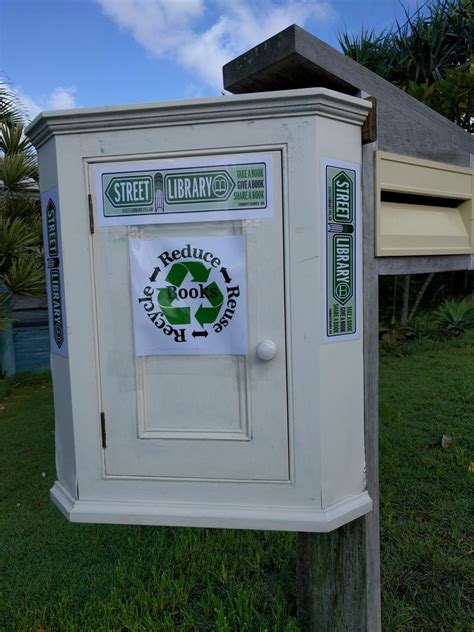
(204, 416)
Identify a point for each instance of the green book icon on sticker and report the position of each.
(159, 194)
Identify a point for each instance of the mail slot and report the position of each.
(205, 296)
(423, 207)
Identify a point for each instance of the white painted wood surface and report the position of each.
(218, 417)
(319, 483)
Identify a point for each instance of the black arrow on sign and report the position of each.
(195, 334)
(227, 278)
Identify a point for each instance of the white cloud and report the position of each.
(171, 28)
(159, 25)
(59, 99)
(62, 99)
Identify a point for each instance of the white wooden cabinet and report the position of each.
(268, 438)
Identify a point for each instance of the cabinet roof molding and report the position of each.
(321, 101)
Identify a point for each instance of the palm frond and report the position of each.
(25, 205)
(11, 109)
(18, 173)
(16, 240)
(25, 275)
(13, 140)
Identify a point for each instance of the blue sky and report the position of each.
(73, 53)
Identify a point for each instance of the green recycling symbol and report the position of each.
(205, 314)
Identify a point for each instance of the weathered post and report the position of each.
(331, 576)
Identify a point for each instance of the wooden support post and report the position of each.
(339, 572)
(371, 387)
(331, 579)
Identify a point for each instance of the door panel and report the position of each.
(194, 416)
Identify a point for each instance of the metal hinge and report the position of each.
(102, 429)
(91, 214)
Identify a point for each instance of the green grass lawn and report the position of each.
(65, 577)
(427, 492)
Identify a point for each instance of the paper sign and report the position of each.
(203, 189)
(341, 250)
(189, 295)
(54, 271)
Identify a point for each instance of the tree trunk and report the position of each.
(406, 300)
(394, 303)
(419, 296)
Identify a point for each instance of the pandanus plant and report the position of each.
(21, 265)
(429, 55)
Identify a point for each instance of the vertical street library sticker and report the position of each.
(341, 251)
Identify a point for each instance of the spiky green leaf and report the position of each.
(17, 238)
(25, 276)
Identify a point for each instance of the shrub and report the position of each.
(454, 317)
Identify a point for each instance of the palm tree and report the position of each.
(21, 265)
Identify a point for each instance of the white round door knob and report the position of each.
(266, 350)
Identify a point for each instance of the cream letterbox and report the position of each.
(204, 276)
